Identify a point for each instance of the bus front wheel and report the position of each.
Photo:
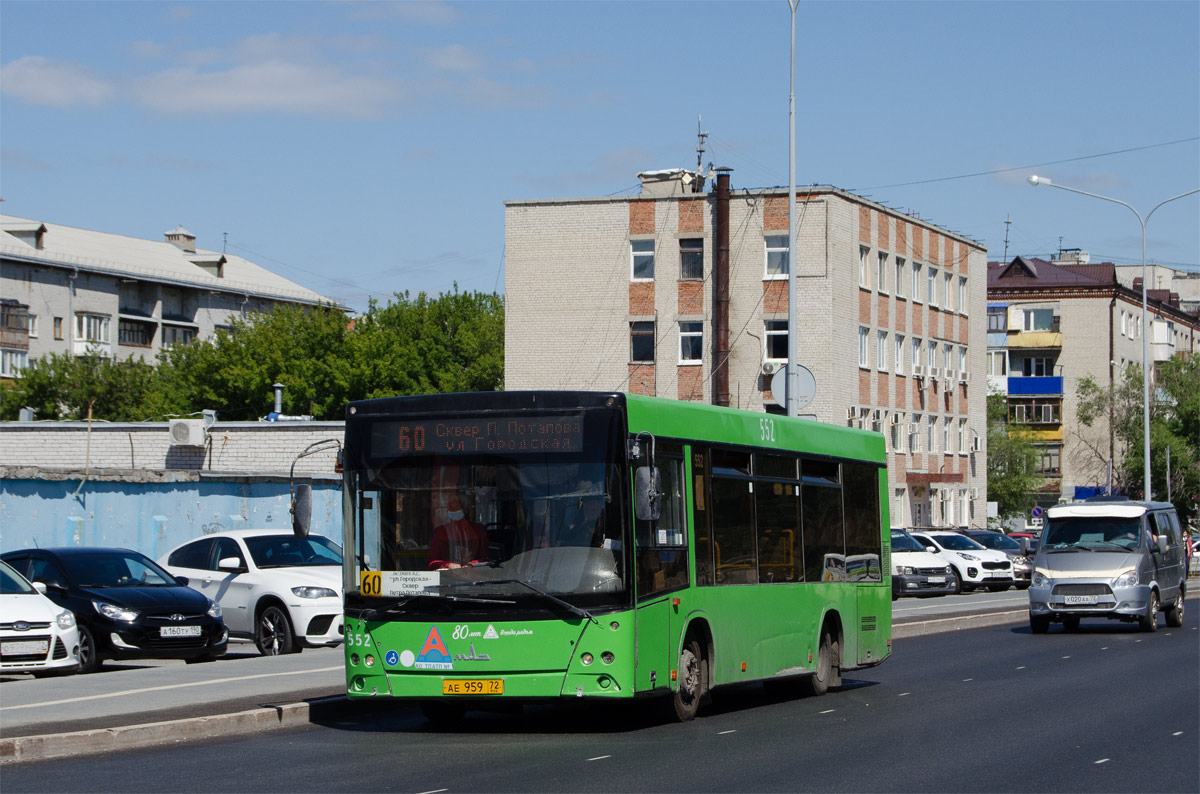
(693, 681)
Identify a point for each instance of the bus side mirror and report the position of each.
(647, 493)
(302, 510)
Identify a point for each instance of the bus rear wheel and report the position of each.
(826, 672)
(693, 681)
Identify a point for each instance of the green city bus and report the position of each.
(507, 547)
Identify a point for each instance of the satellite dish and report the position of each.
(805, 392)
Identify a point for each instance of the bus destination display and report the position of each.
(468, 436)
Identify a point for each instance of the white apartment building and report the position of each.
(69, 290)
(625, 293)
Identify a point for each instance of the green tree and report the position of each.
(1012, 462)
(60, 386)
(1174, 425)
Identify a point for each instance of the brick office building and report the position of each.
(621, 293)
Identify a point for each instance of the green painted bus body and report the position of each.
(749, 632)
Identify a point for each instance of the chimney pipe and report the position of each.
(278, 397)
(720, 364)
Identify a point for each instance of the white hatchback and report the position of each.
(282, 591)
(36, 635)
(976, 565)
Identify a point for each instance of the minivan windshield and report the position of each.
(902, 541)
(1096, 533)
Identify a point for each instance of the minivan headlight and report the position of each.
(1127, 579)
(114, 612)
(66, 620)
(1040, 579)
(214, 609)
(314, 592)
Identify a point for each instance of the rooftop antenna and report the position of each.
(1007, 223)
(224, 241)
(701, 135)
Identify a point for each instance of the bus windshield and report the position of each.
(474, 528)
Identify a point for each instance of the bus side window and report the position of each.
(864, 543)
(700, 513)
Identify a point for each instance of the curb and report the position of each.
(942, 625)
(104, 740)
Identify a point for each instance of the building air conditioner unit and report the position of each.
(918, 370)
(965, 377)
(976, 444)
(897, 418)
(851, 413)
(770, 367)
(186, 432)
(935, 373)
(913, 428)
(974, 494)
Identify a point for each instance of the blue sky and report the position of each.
(363, 149)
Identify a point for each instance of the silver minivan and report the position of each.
(1108, 558)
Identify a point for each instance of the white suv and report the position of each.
(279, 590)
(973, 563)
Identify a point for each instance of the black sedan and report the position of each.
(126, 606)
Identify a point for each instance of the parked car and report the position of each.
(976, 565)
(1022, 560)
(1109, 558)
(36, 635)
(917, 572)
(1033, 538)
(282, 591)
(125, 605)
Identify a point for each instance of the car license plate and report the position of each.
(1082, 599)
(26, 647)
(179, 631)
(937, 580)
(473, 686)
(1000, 575)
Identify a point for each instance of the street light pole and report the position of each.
(793, 372)
(1041, 180)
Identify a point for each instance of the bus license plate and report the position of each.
(1082, 599)
(473, 686)
(179, 631)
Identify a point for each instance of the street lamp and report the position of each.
(792, 392)
(1041, 180)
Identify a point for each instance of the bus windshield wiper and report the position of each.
(397, 605)
(567, 605)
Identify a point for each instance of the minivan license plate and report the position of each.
(179, 631)
(1082, 599)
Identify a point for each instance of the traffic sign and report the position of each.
(1036, 512)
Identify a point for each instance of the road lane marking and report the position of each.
(167, 687)
(1102, 761)
(722, 733)
(435, 791)
(1022, 667)
(1177, 733)
(600, 758)
(903, 694)
(827, 711)
(965, 680)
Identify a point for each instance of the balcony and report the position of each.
(1035, 386)
(1035, 340)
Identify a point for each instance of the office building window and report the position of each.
(691, 258)
(997, 362)
(901, 277)
(916, 282)
(775, 340)
(916, 352)
(948, 292)
(881, 272)
(864, 275)
(962, 294)
(864, 335)
(931, 287)
(962, 437)
(931, 433)
(641, 342)
(642, 253)
(881, 351)
(691, 342)
(914, 434)
(899, 354)
(777, 255)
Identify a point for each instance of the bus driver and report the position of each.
(458, 542)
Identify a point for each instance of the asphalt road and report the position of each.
(994, 709)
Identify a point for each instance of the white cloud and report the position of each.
(422, 13)
(455, 58)
(273, 87)
(59, 84)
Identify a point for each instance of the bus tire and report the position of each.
(693, 681)
(824, 674)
